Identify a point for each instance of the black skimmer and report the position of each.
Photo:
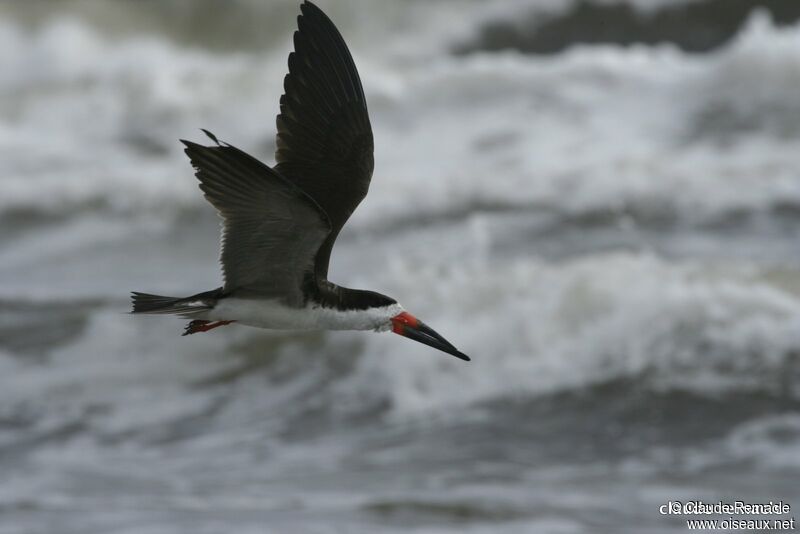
(280, 223)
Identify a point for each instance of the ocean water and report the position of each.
(611, 231)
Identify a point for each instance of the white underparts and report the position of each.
(272, 314)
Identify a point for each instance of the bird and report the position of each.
(279, 223)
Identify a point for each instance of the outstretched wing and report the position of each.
(271, 229)
(324, 140)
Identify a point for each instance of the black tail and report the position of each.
(188, 306)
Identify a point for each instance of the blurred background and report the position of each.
(599, 201)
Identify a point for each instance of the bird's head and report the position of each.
(409, 326)
(384, 314)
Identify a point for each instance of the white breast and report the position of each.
(274, 315)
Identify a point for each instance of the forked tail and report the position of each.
(187, 307)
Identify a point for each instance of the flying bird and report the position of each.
(279, 223)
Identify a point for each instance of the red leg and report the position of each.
(202, 326)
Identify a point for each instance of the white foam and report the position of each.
(88, 131)
(597, 128)
(772, 442)
(534, 328)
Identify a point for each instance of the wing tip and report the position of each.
(192, 144)
(211, 136)
(312, 11)
(308, 5)
(192, 150)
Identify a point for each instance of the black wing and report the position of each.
(271, 229)
(324, 136)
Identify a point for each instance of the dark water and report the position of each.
(610, 231)
(692, 26)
